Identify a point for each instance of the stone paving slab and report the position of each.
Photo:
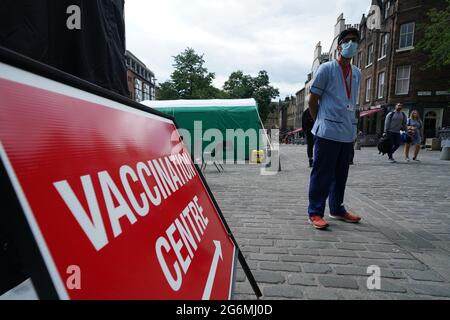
(405, 229)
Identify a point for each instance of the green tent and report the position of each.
(236, 121)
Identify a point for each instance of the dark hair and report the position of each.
(347, 32)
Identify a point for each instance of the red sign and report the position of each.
(112, 197)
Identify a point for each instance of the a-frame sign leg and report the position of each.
(241, 257)
(249, 274)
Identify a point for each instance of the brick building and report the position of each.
(291, 113)
(282, 109)
(141, 80)
(392, 69)
(300, 105)
(273, 119)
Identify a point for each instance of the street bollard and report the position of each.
(445, 153)
(271, 156)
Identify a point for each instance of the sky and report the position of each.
(278, 36)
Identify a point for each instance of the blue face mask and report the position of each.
(349, 49)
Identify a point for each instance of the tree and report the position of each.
(190, 79)
(436, 38)
(239, 85)
(167, 91)
(242, 86)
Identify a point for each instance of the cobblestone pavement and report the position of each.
(405, 229)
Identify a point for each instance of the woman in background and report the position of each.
(415, 130)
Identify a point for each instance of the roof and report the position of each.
(200, 103)
(130, 54)
(136, 59)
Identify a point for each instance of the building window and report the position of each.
(383, 46)
(360, 60)
(152, 93)
(368, 89)
(146, 92)
(381, 77)
(369, 55)
(387, 8)
(402, 80)
(137, 90)
(406, 35)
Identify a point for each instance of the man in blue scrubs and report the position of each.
(332, 103)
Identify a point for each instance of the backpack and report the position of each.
(384, 145)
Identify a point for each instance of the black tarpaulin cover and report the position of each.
(96, 52)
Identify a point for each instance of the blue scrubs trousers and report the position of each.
(329, 176)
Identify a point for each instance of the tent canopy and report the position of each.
(295, 131)
(198, 116)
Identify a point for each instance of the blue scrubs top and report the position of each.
(336, 119)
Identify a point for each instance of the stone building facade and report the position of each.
(300, 106)
(291, 113)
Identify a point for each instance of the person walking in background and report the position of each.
(394, 123)
(307, 125)
(415, 131)
(352, 154)
(335, 85)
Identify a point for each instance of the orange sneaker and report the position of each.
(347, 217)
(318, 222)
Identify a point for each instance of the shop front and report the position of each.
(370, 126)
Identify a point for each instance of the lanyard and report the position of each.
(347, 87)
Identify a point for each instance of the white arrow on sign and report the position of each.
(212, 270)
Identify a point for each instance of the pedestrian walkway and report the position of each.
(405, 229)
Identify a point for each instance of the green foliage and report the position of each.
(239, 86)
(242, 86)
(436, 38)
(167, 91)
(190, 79)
